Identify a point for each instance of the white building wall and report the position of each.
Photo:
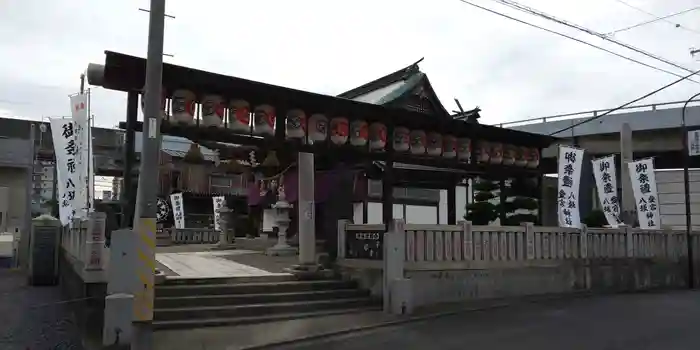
(669, 184)
(417, 214)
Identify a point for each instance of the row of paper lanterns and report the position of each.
(236, 116)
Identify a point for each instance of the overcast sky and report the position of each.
(508, 69)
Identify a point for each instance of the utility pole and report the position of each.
(82, 83)
(145, 215)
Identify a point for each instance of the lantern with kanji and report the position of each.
(264, 120)
(359, 133)
(377, 136)
(418, 141)
(401, 143)
(339, 130)
(483, 152)
(296, 124)
(449, 146)
(239, 115)
(213, 111)
(318, 128)
(434, 144)
(521, 156)
(508, 155)
(496, 153)
(183, 106)
(534, 159)
(464, 149)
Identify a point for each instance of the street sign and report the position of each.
(694, 142)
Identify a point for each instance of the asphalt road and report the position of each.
(632, 322)
(34, 318)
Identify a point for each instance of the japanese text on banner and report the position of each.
(643, 179)
(63, 134)
(178, 210)
(83, 156)
(570, 160)
(218, 202)
(606, 183)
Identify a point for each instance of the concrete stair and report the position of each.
(202, 302)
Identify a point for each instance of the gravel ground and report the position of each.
(34, 318)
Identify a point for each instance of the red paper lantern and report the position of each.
(484, 152)
(534, 159)
(522, 156)
(339, 130)
(464, 149)
(509, 155)
(213, 111)
(183, 106)
(377, 136)
(401, 143)
(496, 153)
(359, 133)
(434, 147)
(296, 124)
(239, 115)
(418, 141)
(264, 120)
(449, 146)
(318, 128)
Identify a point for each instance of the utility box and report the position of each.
(44, 245)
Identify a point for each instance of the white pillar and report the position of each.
(305, 209)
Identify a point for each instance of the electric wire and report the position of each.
(574, 39)
(656, 19)
(522, 8)
(626, 104)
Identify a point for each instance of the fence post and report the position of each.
(394, 256)
(467, 240)
(630, 241)
(342, 227)
(530, 240)
(584, 241)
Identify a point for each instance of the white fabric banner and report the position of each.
(570, 161)
(643, 179)
(84, 159)
(218, 204)
(606, 182)
(178, 210)
(63, 134)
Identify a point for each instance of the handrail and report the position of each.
(592, 113)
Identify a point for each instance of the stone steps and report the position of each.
(200, 302)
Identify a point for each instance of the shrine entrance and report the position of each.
(310, 150)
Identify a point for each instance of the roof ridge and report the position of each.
(401, 74)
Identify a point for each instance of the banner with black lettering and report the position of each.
(606, 182)
(570, 161)
(643, 179)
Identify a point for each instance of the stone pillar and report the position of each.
(227, 235)
(305, 209)
(626, 156)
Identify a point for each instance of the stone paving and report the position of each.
(34, 318)
(210, 264)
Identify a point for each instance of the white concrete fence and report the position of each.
(83, 243)
(464, 261)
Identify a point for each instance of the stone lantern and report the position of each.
(227, 235)
(282, 209)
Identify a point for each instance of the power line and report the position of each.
(575, 39)
(532, 11)
(626, 104)
(656, 19)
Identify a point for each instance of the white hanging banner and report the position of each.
(218, 204)
(606, 182)
(570, 161)
(178, 210)
(643, 179)
(85, 187)
(63, 134)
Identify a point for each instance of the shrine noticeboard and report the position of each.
(364, 244)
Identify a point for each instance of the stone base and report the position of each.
(278, 250)
(310, 271)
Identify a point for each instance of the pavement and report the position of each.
(649, 321)
(34, 318)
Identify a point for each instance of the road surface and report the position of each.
(666, 321)
(34, 318)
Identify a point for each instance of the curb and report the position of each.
(373, 326)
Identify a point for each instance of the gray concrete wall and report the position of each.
(671, 189)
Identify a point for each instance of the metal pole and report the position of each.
(686, 185)
(145, 217)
